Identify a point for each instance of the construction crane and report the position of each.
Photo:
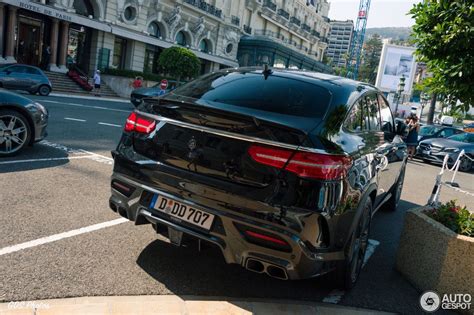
(357, 41)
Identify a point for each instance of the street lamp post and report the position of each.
(424, 97)
(400, 89)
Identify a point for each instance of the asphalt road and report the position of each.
(66, 189)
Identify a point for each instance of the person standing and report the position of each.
(412, 137)
(137, 83)
(97, 83)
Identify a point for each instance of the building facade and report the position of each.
(340, 38)
(284, 33)
(130, 34)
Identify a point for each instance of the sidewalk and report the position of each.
(92, 97)
(172, 304)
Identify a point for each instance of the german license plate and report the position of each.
(182, 211)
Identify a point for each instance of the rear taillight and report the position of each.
(139, 124)
(304, 164)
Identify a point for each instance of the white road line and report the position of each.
(90, 106)
(60, 236)
(47, 159)
(335, 296)
(370, 250)
(74, 119)
(111, 125)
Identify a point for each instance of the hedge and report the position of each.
(134, 74)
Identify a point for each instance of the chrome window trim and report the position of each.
(233, 135)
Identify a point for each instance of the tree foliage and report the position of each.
(179, 62)
(444, 36)
(370, 59)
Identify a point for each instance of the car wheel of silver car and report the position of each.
(44, 90)
(347, 272)
(15, 132)
(465, 164)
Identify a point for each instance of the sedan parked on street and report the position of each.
(22, 122)
(139, 94)
(437, 131)
(26, 78)
(434, 150)
(282, 170)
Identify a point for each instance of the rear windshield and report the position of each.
(251, 90)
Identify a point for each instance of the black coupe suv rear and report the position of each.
(282, 170)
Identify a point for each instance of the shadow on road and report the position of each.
(32, 158)
(188, 271)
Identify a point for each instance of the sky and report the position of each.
(382, 13)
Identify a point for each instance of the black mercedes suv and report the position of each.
(282, 170)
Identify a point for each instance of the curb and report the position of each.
(172, 304)
(109, 99)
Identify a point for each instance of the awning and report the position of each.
(58, 14)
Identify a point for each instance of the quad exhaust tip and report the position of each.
(264, 267)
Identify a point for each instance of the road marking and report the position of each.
(370, 250)
(90, 106)
(60, 236)
(93, 156)
(111, 125)
(47, 159)
(74, 119)
(335, 296)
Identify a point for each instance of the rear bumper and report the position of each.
(299, 263)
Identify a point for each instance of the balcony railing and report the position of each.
(306, 27)
(295, 21)
(315, 33)
(235, 20)
(247, 29)
(270, 4)
(280, 38)
(283, 13)
(206, 7)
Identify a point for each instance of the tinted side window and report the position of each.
(373, 112)
(252, 90)
(446, 133)
(357, 120)
(32, 71)
(16, 69)
(385, 115)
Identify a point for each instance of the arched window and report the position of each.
(181, 38)
(204, 46)
(154, 29)
(83, 7)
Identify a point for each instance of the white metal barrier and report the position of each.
(434, 198)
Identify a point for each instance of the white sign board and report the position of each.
(395, 62)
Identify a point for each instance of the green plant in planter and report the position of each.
(456, 218)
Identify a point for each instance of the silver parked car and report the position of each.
(434, 150)
(26, 78)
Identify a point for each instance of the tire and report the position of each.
(44, 90)
(396, 191)
(14, 137)
(465, 164)
(347, 272)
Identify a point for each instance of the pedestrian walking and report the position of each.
(46, 56)
(97, 83)
(137, 83)
(412, 137)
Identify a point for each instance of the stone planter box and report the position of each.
(432, 257)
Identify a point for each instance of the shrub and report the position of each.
(454, 217)
(179, 62)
